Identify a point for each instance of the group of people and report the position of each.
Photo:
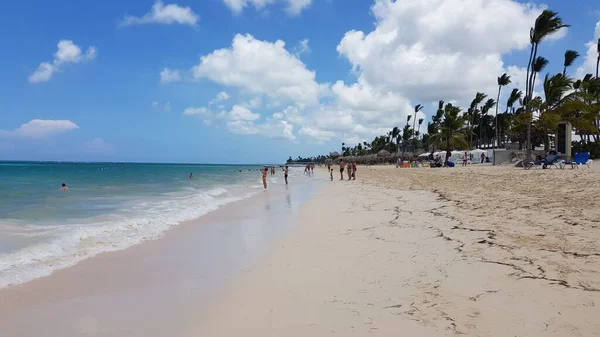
(265, 171)
(349, 167)
(309, 169)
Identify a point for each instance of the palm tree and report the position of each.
(503, 80)
(421, 120)
(395, 135)
(472, 112)
(570, 57)
(545, 25)
(451, 131)
(418, 108)
(484, 110)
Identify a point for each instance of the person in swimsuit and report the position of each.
(285, 174)
(342, 165)
(191, 176)
(264, 176)
(331, 173)
(349, 168)
(353, 170)
(63, 187)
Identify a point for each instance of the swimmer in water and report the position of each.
(63, 187)
(191, 176)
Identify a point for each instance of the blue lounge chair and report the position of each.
(580, 159)
(552, 159)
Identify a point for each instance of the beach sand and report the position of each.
(476, 251)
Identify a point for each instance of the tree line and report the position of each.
(528, 121)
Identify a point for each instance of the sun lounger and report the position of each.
(580, 159)
(548, 162)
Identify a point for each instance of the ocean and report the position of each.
(108, 207)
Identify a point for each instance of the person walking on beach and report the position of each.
(331, 173)
(466, 159)
(63, 187)
(285, 174)
(353, 170)
(483, 157)
(342, 165)
(264, 177)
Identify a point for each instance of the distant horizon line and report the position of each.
(124, 162)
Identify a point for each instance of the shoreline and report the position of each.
(171, 278)
(475, 251)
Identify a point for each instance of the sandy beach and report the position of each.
(476, 251)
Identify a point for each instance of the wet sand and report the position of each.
(157, 288)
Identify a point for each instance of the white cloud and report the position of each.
(240, 113)
(302, 48)
(169, 75)
(98, 146)
(260, 68)
(161, 107)
(221, 96)
(418, 52)
(441, 49)
(40, 129)
(293, 7)
(164, 14)
(67, 52)
(591, 56)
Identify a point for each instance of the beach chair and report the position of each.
(548, 162)
(580, 159)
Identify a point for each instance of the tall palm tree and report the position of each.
(472, 112)
(546, 24)
(418, 108)
(451, 131)
(570, 57)
(503, 80)
(482, 118)
(421, 120)
(395, 135)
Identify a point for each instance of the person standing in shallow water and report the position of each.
(63, 187)
(264, 177)
(285, 174)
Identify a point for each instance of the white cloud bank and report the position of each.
(39, 129)
(591, 56)
(418, 52)
(68, 52)
(164, 14)
(293, 7)
(169, 75)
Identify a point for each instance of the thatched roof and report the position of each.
(383, 153)
(334, 154)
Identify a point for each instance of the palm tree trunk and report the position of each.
(527, 106)
(528, 71)
(497, 101)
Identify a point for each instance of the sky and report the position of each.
(255, 81)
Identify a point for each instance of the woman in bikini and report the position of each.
(264, 177)
(353, 170)
(285, 174)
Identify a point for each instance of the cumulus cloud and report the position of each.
(591, 56)
(441, 49)
(68, 52)
(221, 96)
(39, 129)
(418, 52)
(169, 75)
(164, 14)
(260, 68)
(98, 146)
(293, 7)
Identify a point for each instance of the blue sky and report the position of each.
(105, 100)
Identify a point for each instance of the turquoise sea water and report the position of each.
(109, 206)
